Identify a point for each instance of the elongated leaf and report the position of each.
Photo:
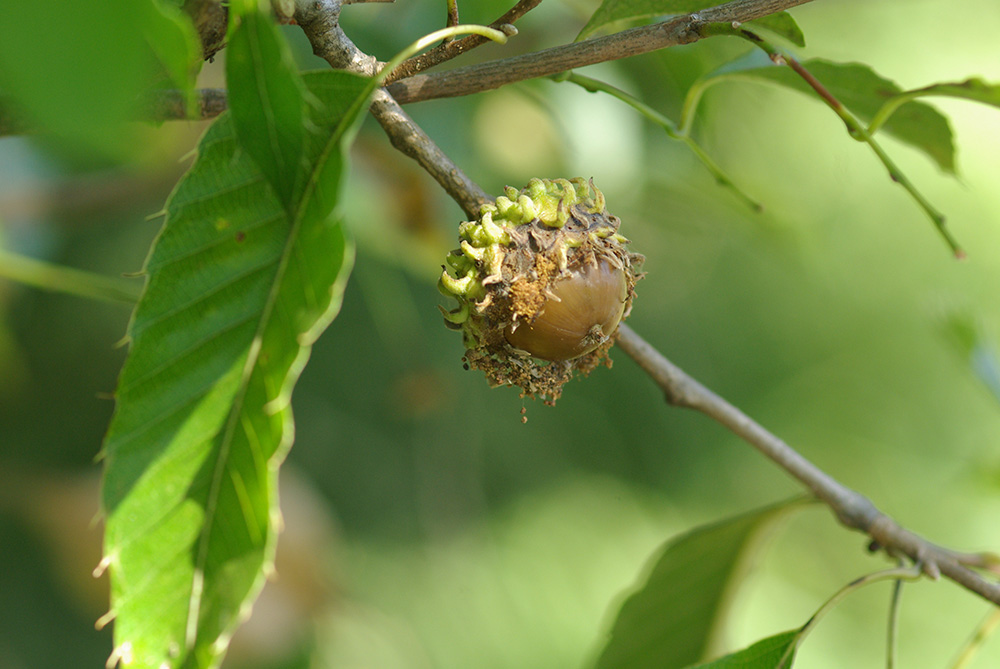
(974, 89)
(614, 11)
(238, 289)
(864, 92)
(267, 100)
(668, 622)
(765, 654)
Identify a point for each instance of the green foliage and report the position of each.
(774, 652)
(975, 90)
(77, 69)
(669, 622)
(859, 89)
(239, 286)
(268, 106)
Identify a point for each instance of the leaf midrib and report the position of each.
(249, 367)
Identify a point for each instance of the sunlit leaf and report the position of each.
(765, 654)
(238, 288)
(620, 11)
(267, 100)
(669, 621)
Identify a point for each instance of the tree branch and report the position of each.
(166, 105)
(852, 508)
(632, 42)
(320, 20)
(320, 23)
(211, 19)
(449, 50)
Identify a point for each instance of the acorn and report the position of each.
(542, 279)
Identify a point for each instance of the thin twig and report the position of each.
(320, 23)
(855, 128)
(57, 278)
(323, 17)
(892, 633)
(167, 105)
(853, 509)
(449, 50)
(980, 636)
(669, 127)
(898, 573)
(632, 42)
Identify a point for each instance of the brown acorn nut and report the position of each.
(542, 279)
(582, 311)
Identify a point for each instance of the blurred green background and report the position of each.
(425, 525)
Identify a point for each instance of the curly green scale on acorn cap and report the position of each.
(542, 278)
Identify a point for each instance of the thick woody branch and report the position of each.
(852, 508)
(632, 42)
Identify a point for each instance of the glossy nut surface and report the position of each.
(588, 309)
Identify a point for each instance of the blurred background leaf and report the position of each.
(75, 70)
(669, 621)
(861, 90)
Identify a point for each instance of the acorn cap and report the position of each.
(542, 280)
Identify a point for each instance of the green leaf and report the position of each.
(238, 289)
(172, 38)
(669, 621)
(615, 11)
(76, 70)
(973, 89)
(783, 25)
(862, 91)
(765, 654)
(267, 100)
